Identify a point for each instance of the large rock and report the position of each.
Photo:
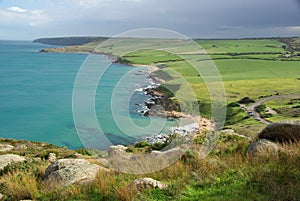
(262, 148)
(70, 171)
(146, 183)
(10, 158)
(286, 131)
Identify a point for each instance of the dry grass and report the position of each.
(226, 174)
(18, 186)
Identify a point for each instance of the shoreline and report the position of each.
(198, 125)
(155, 99)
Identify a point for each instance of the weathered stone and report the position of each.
(70, 171)
(227, 131)
(286, 131)
(21, 146)
(170, 153)
(10, 158)
(5, 147)
(52, 157)
(116, 150)
(77, 155)
(146, 183)
(262, 148)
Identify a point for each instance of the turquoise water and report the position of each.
(36, 95)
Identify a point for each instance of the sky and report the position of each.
(30, 19)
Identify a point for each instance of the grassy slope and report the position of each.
(251, 68)
(227, 173)
(243, 76)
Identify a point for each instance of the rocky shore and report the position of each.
(154, 106)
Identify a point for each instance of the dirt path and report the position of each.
(252, 112)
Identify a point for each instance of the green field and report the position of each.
(252, 68)
(248, 68)
(242, 77)
(241, 46)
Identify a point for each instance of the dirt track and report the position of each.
(252, 112)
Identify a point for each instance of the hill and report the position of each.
(69, 40)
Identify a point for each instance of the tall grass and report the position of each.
(19, 186)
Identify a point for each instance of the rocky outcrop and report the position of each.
(262, 148)
(10, 158)
(146, 183)
(5, 147)
(70, 171)
(286, 132)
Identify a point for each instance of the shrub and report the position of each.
(246, 100)
(89, 152)
(260, 108)
(142, 144)
(233, 104)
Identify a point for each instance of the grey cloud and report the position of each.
(196, 18)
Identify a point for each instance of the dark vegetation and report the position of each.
(246, 100)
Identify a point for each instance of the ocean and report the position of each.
(36, 96)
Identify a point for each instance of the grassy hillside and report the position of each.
(226, 174)
(252, 68)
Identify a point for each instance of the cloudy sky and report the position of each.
(29, 19)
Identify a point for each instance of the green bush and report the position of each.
(142, 144)
(233, 104)
(260, 108)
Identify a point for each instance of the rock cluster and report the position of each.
(280, 132)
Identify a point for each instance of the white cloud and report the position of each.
(103, 3)
(17, 9)
(16, 16)
(91, 3)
